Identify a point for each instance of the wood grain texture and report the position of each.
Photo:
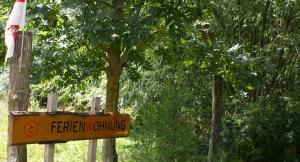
(51, 107)
(52, 127)
(19, 93)
(92, 146)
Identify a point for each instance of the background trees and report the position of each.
(160, 58)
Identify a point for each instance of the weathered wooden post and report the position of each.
(51, 107)
(93, 143)
(19, 92)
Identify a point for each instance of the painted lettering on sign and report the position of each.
(82, 126)
(25, 128)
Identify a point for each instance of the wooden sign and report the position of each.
(31, 127)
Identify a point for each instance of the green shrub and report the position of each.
(262, 132)
(162, 130)
(71, 97)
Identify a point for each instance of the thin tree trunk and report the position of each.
(109, 153)
(263, 26)
(113, 72)
(216, 115)
(18, 95)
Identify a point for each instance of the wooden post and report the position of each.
(51, 107)
(19, 92)
(93, 143)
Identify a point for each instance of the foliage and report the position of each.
(172, 49)
(71, 98)
(163, 129)
(3, 82)
(257, 132)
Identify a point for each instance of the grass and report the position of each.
(3, 130)
(74, 151)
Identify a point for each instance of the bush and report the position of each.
(262, 132)
(162, 130)
(4, 79)
(71, 97)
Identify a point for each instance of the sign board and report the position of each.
(33, 127)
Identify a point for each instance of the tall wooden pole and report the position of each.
(51, 107)
(93, 143)
(19, 92)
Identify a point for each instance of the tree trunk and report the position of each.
(216, 115)
(18, 94)
(113, 72)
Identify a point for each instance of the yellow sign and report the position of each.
(30, 127)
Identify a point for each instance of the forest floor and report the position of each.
(74, 151)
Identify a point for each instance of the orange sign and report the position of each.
(31, 127)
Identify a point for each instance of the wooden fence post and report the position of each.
(51, 107)
(93, 143)
(19, 92)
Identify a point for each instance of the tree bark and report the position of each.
(216, 115)
(113, 73)
(19, 92)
